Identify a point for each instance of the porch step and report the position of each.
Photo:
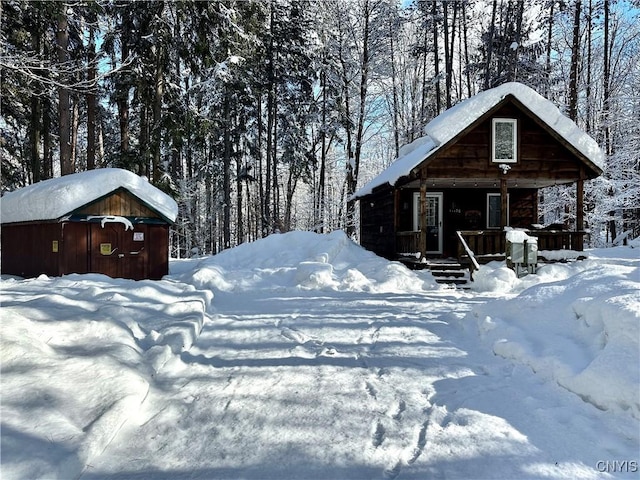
(449, 273)
(444, 272)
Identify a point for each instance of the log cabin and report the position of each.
(478, 170)
(107, 221)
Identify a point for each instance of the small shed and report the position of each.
(477, 170)
(107, 221)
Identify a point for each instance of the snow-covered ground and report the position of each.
(304, 356)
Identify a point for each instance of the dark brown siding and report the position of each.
(377, 231)
(27, 249)
(159, 251)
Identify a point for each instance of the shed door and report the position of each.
(75, 248)
(119, 253)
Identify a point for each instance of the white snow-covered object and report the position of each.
(54, 198)
(519, 236)
(104, 219)
(442, 129)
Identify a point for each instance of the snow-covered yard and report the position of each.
(304, 356)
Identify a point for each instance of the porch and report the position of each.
(488, 245)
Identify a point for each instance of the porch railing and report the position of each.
(473, 266)
(407, 243)
(482, 242)
(493, 242)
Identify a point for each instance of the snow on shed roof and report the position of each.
(57, 197)
(451, 122)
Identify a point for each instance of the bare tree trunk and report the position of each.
(35, 132)
(64, 115)
(122, 101)
(91, 101)
(319, 220)
(575, 59)
(466, 48)
(267, 215)
(263, 200)
(606, 80)
(35, 125)
(396, 127)
(75, 125)
(423, 102)
(240, 235)
(156, 129)
(275, 187)
(513, 53)
(588, 90)
(449, 48)
(548, 56)
(143, 142)
(47, 148)
(226, 176)
(353, 166)
(605, 108)
(436, 60)
(492, 28)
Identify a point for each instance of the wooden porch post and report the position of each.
(503, 203)
(578, 241)
(423, 216)
(580, 203)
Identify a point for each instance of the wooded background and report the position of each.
(264, 116)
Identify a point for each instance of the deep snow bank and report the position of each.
(576, 324)
(78, 356)
(304, 260)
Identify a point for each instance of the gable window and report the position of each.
(494, 210)
(504, 134)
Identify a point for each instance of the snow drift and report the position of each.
(305, 356)
(304, 260)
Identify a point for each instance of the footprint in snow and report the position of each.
(294, 335)
(370, 389)
(378, 435)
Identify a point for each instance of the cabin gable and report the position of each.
(541, 160)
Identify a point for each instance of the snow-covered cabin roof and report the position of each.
(442, 129)
(53, 199)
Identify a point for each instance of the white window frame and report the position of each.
(514, 140)
(489, 195)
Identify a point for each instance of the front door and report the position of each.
(433, 220)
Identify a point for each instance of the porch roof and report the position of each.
(446, 126)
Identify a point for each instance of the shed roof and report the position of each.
(442, 129)
(57, 197)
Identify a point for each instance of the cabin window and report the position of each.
(504, 140)
(494, 210)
